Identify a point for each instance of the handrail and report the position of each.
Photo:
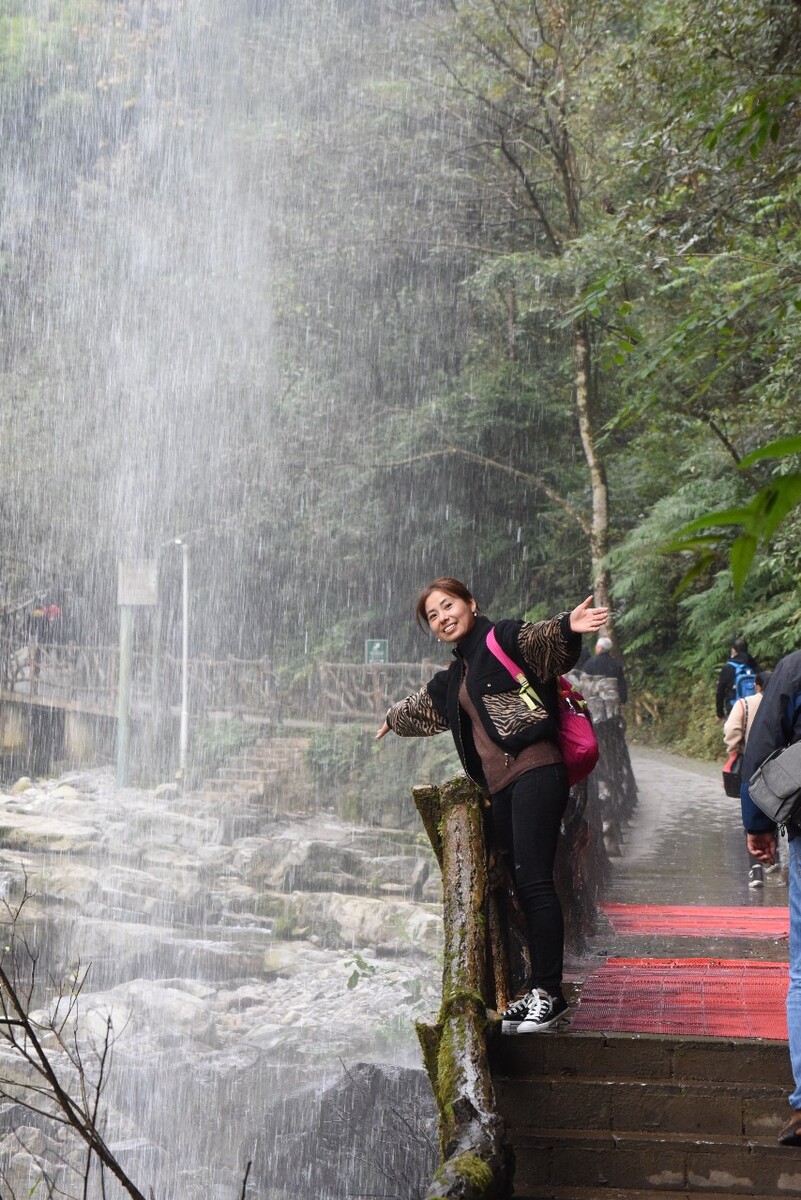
(475, 1163)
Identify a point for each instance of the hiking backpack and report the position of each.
(744, 681)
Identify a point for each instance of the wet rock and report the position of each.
(371, 1133)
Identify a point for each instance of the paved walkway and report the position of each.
(685, 946)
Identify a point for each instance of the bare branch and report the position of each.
(515, 472)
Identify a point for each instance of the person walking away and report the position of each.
(604, 664)
(508, 744)
(737, 678)
(736, 730)
(778, 724)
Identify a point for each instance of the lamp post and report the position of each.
(183, 743)
(137, 587)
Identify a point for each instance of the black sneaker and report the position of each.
(543, 1011)
(755, 876)
(515, 1013)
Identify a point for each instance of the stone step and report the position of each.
(669, 1106)
(230, 783)
(557, 1192)
(635, 1115)
(668, 1162)
(640, 1056)
(248, 771)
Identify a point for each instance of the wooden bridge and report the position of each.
(37, 670)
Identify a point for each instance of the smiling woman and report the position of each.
(507, 740)
(447, 608)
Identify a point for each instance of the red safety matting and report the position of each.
(694, 997)
(684, 920)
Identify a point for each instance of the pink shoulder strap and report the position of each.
(503, 658)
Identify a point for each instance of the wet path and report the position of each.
(686, 843)
(681, 928)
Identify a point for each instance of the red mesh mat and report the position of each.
(695, 997)
(682, 920)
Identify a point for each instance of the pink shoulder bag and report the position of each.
(577, 739)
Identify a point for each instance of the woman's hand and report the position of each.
(383, 731)
(586, 619)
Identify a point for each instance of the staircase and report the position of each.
(595, 1116)
(266, 779)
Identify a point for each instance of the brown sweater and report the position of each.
(501, 769)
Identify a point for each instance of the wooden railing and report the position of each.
(84, 675)
(356, 691)
(87, 677)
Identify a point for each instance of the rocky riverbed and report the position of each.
(245, 978)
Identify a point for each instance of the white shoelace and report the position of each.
(520, 1007)
(540, 1007)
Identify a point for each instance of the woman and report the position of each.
(736, 729)
(508, 744)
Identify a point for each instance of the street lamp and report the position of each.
(183, 744)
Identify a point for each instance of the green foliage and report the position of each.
(215, 741)
(360, 969)
(371, 781)
(757, 521)
(304, 280)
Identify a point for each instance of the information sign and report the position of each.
(376, 650)
(138, 582)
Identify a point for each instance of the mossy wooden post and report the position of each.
(474, 1157)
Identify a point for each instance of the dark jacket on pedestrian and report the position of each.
(777, 724)
(725, 697)
(543, 650)
(612, 668)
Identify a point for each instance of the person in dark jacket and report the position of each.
(508, 744)
(778, 724)
(725, 694)
(604, 664)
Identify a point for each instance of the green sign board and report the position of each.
(376, 650)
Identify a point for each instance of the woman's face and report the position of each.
(449, 618)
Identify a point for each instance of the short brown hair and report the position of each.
(452, 587)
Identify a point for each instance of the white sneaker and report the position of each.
(755, 876)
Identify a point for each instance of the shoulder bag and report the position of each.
(577, 739)
(775, 786)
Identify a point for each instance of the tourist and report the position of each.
(507, 743)
(606, 666)
(736, 730)
(737, 678)
(778, 724)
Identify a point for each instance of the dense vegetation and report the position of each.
(352, 294)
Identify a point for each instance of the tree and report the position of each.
(58, 1078)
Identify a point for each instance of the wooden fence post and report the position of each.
(475, 1161)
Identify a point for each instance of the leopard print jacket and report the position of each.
(544, 649)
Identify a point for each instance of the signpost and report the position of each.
(376, 650)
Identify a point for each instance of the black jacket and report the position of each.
(543, 650)
(604, 664)
(776, 724)
(724, 696)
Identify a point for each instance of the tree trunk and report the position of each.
(475, 1163)
(599, 532)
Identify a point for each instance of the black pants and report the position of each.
(527, 818)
